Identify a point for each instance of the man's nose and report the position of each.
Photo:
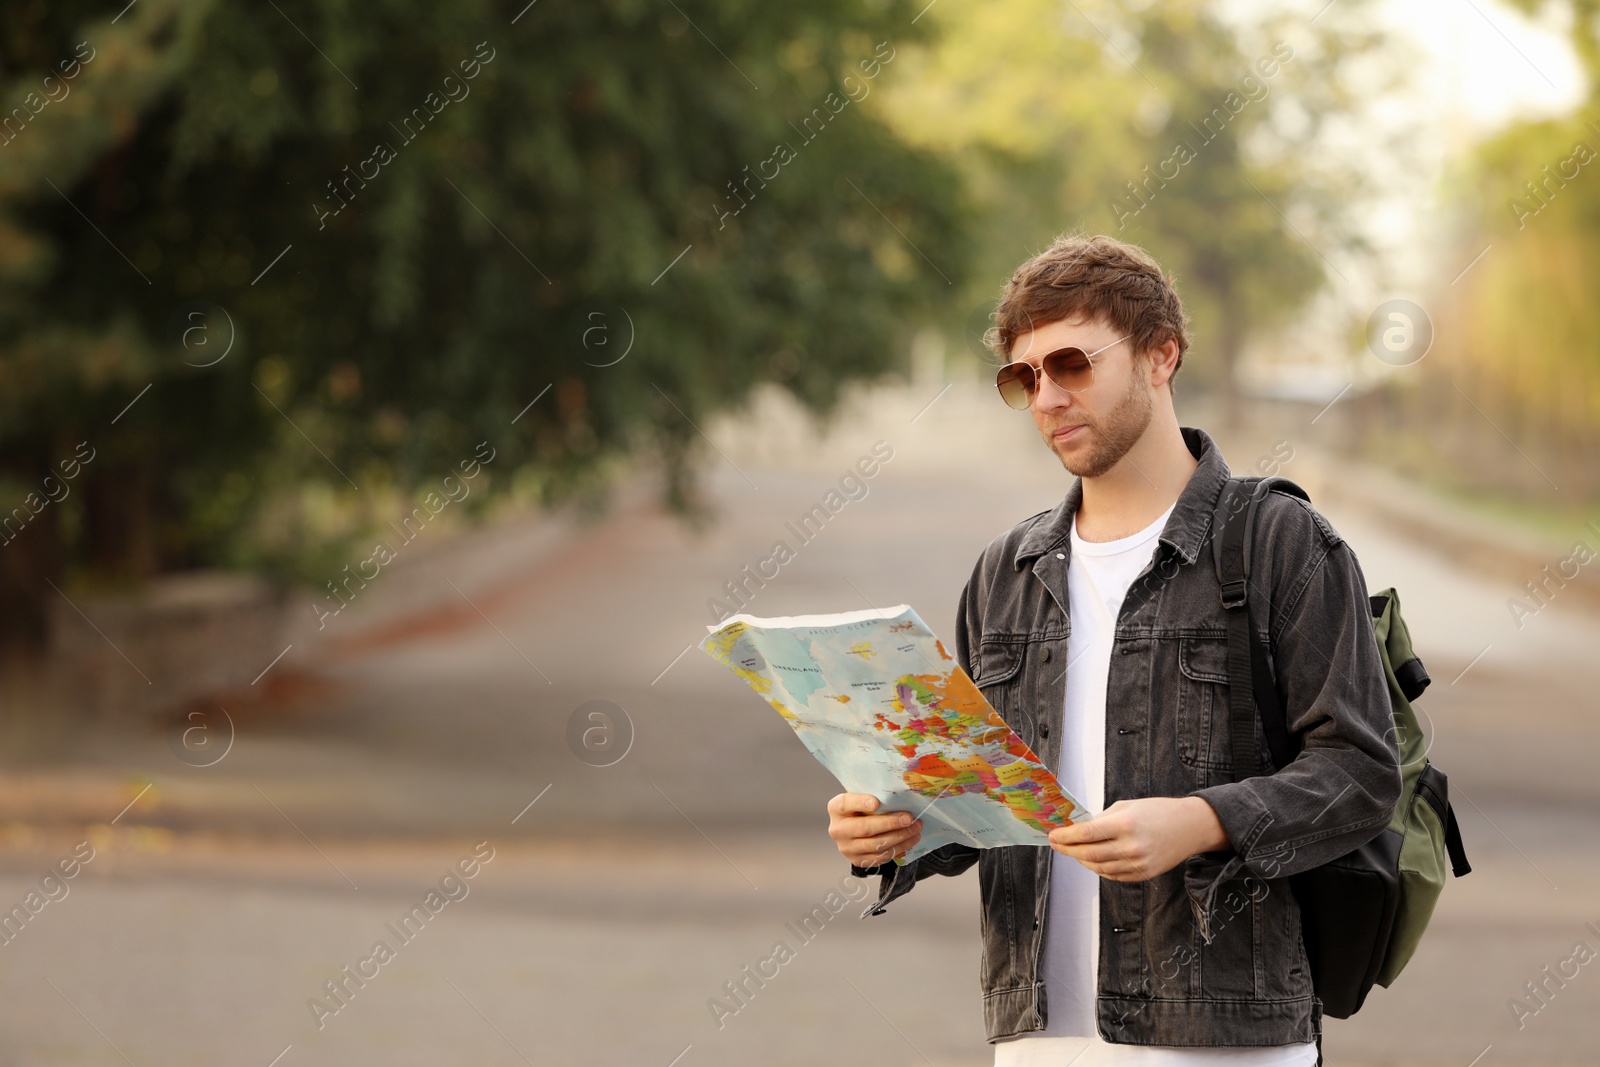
(1048, 396)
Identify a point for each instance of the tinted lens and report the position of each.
(1069, 368)
(1016, 383)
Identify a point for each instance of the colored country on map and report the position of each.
(954, 742)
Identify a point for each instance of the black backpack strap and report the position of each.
(1452, 843)
(1233, 525)
(1228, 553)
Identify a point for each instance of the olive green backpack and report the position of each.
(1363, 914)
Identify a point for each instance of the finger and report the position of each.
(1103, 853)
(885, 843)
(1118, 865)
(1113, 868)
(884, 852)
(1119, 872)
(853, 830)
(891, 822)
(1087, 830)
(1134, 863)
(859, 826)
(1087, 854)
(853, 804)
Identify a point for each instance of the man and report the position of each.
(1162, 931)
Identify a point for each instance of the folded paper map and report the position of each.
(878, 700)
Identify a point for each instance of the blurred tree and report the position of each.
(1520, 333)
(1255, 223)
(413, 227)
(1161, 125)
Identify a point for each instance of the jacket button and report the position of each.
(1046, 653)
(1044, 729)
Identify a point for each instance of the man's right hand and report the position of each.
(865, 837)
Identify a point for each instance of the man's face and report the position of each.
(1092, 429)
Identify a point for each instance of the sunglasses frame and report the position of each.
(1030, 390)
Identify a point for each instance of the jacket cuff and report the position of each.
(895, 881)
(1240, 811)
(1245, 819)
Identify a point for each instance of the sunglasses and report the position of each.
(1070, 369)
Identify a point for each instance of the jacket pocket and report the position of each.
(998, 661)
(999, 668)
(1231, 966)
(1203, 704)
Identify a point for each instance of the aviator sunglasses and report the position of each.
(1071, 369)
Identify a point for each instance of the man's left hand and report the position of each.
(1133, 840)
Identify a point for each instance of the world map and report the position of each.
(876, 698)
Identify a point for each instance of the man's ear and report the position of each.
(1163, 362)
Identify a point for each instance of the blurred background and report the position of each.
(392, 394)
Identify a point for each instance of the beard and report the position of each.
(1114, 435)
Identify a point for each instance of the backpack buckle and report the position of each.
(1233, 593)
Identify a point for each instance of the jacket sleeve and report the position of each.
(1340, 791)
(896, 880)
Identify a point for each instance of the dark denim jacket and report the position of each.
(1209, 953)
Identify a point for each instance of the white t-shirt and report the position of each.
(1098, 577)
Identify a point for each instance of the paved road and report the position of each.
(621, 899)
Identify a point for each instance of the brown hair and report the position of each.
(1094, 277)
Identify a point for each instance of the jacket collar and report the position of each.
(1187, 526)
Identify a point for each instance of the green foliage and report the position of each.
(1072, 118)
(459, 197)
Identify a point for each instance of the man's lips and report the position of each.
(1066, 432)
